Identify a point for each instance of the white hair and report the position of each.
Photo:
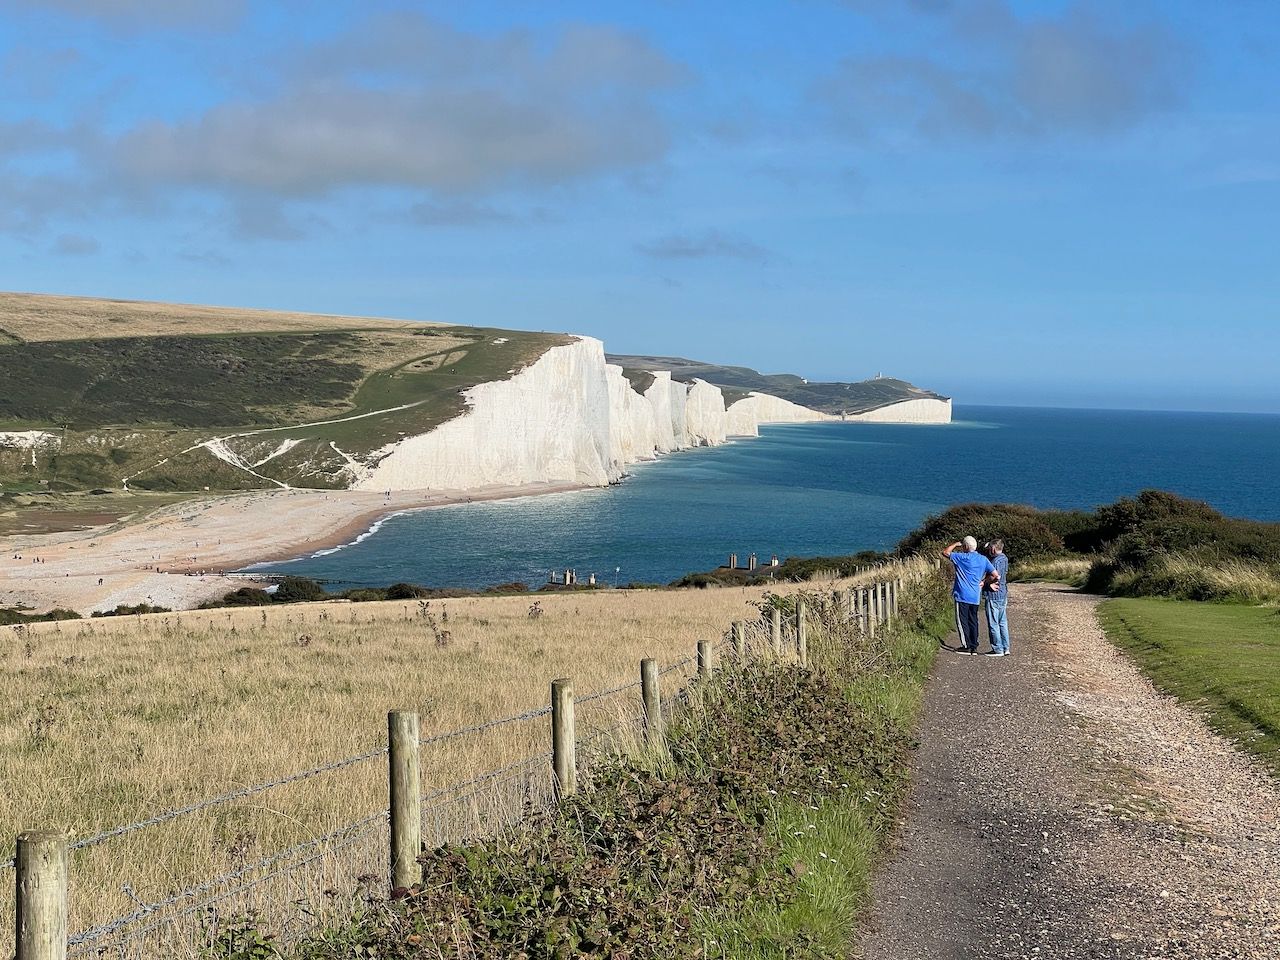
(970, 544)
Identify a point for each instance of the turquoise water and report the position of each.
(829, 488)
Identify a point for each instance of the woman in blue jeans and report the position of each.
(997, 597)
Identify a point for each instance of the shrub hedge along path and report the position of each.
(1063, 808)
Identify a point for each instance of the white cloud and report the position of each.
(1001, 75)
(408, 102)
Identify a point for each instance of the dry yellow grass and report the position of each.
(110, 721)
(1072, 570)
(32, 316)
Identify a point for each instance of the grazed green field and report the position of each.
(1224, 658)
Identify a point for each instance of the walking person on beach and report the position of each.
(972, 572)
(997, 596)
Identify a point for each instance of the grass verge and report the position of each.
(751, 833)
(1222, 658)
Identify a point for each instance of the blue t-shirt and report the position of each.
(1001, 563)
(970, 569)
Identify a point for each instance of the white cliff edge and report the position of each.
(919, 410)
(746, 415)
(572, 418)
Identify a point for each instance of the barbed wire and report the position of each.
(484, 777)
(600, 695)
(352, 833)
(486, 725)
(676, 666)
(94, 934)
(225, 895)
(224, 798)
(512, 774)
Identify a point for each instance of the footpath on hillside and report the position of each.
(1062, 808)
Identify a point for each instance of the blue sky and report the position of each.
(1060, 203)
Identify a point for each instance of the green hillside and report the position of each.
(737, 382)
(112, 394)
(132, 390)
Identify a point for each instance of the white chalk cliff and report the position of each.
(572, 418)
(918, 410)
(746, 415)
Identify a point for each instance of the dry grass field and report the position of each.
(111, 721)
(37, 317)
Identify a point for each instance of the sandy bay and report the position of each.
(177, 556)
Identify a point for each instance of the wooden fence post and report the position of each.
(857, 606)
(406, 798)
(704, 659)
(872, 612)
(651, 699)
(839, 604)
(564, 758)
(740, 640)
(775, 632)
(41, 887)
(888, 603)
(897, 591)
(802, 632)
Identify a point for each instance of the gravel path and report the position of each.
(1063, 808)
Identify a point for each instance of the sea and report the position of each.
(816, 490)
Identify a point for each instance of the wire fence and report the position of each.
(293, 888)
(300, 880)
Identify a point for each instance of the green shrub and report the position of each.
(244, 597)
(10, 616)
(515, 586)
(127, 610)
(299, 590)
(405, 591)
(1025, 531)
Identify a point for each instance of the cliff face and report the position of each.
(746, 415)
(551, 422)
(705, 417)
(923, 410)
(572, 418)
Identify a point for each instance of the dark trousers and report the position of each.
(967, 624)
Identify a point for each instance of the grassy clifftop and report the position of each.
(737, 382)
(128, 389)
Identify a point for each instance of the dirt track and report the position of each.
(1062, 809)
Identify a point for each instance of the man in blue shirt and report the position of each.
(998, 601)
(972, 571)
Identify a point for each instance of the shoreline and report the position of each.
(360, 527)
(181, 555)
